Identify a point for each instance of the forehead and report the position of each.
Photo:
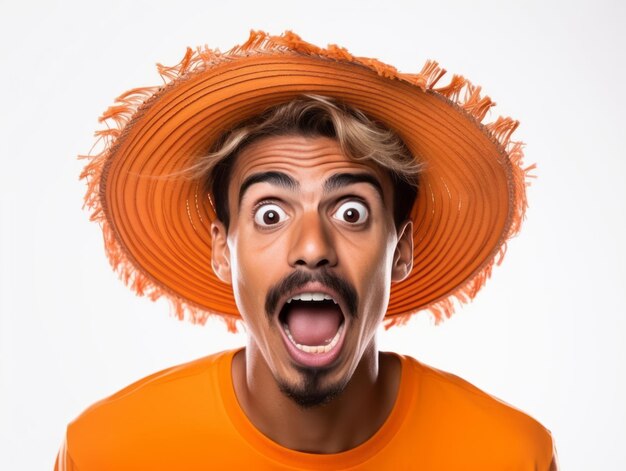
(309, 160)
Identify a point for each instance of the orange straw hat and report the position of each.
(157, 228)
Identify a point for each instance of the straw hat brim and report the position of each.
(156, 226)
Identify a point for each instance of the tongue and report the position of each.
(313, 325)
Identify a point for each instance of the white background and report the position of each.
(547, 333)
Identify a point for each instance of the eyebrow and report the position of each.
(273, 178)
(333, 183)
(344, 179)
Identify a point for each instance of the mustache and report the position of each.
(300, 278)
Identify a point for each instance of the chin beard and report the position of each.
(308, 393)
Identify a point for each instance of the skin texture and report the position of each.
(310, 232)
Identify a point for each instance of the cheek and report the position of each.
(369, 265)
(246, 278)
(254, 270)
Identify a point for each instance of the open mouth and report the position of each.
(313, 328)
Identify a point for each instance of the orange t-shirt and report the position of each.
(188, 418)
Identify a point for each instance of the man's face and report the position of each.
(311, 252)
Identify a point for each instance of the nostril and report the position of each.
(318, 264)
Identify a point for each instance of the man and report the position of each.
(336, 194)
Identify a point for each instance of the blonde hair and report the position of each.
(359, 137)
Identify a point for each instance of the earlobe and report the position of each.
(403, 255)
(220, 253)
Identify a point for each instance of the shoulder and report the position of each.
(157, 409)
(164, 384)
(476, 421)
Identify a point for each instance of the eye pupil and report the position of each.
(351, 215)
(270, 217)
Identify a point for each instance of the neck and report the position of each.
(345, 422)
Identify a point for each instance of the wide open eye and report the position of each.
(269, 214)
(352, 212)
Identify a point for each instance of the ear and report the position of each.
(220, 253)
(403, 255)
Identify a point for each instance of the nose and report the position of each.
(311, 244)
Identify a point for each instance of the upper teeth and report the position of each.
(311, 297)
